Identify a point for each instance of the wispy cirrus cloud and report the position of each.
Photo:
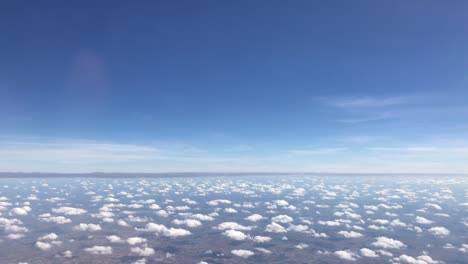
(363, 109)
(403, 149)
(365, 102)
(317, 151)
(422, 149)
(367, 118)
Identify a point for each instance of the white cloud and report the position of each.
(201, 217)
(67, 254)
(43, 245)
(87, 227)
(54, 219)
(144, 251)
(15, 236)
(301, 246)
(282, 219)
(368, 253)
(242, 253)
(230, 210)
(161, 229)
(162, 213)
(329, 223)
(18, 211)
(99, 250)
(235, 235)
(188, 222)
(115, 239)
(423, 221)
(69, 211)
(122, 223)
(439, 231)
(51, 236)
(233, 226)
(281, 203)
(423, 259)
(350, 234)
(464, 248)
(364, 102)
(345, 255)
(319, 151)
(135, 240)
(275, 228)
(385, 242)
(218, 202)
(262, 239)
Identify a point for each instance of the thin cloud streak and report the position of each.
(366, 102)
(316, 151)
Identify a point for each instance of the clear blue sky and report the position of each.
(344, 86)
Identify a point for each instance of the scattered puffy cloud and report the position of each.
(282, 219)
(423, 221)
(69, 210)
(275, 228)
(350, 234)
(235, 235)
(423, 259)
(345, 255)
(243, 253)
(99, 250)
(233, 226)
(87, 227)
(144, 251)
(385, 242)
(439, 231)
(365, 252)
(43, 245)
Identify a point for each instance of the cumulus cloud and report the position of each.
(275, 228)
(87, 227)
(439, 231)
(254, 218)
(162, 229)
(282, 219)
(345, 255)
(99, 250)
(15, 236)
(385, 242)
(188, 222)
(329, 223)
(235, 235)
(69, 210)
(201, 217)
(218, 202)
(233, 226)
(301, 246)
(135, 240)
(368, 253)
(350, 234)
(20, 211)
(51, 236)
(423, 259)
(43, 245)
(262, 239)
(122, 223)
(54, 219)
(115, 239)
(144, 251)
(423, 221)
(242, 253)
(281, 203)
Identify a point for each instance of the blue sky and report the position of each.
(335, 86)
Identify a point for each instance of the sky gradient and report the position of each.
(332, 86)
